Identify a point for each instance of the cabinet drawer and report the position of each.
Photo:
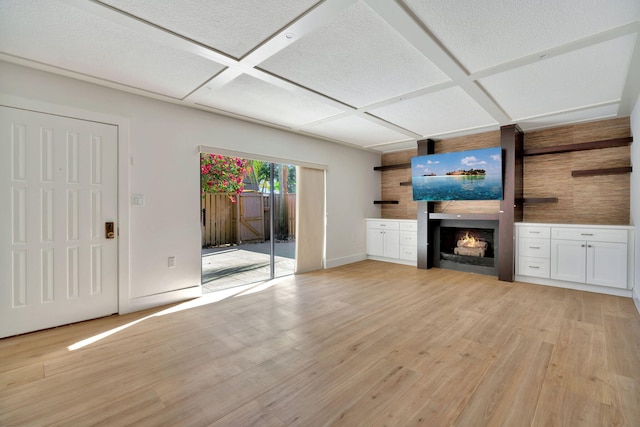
(537, 267)
(593, 234)
(408, 238)
(530, 247)
(408, 226)
(410, 253)
(533, 231)
(384, 225)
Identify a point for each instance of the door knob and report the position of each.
(109, 230)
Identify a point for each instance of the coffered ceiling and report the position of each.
(376, 74)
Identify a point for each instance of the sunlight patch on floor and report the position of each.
(205, 299)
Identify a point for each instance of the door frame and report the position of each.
(276, 160)
(123, 170)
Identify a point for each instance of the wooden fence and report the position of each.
(284, 206)
(219, 222)
(222, 221)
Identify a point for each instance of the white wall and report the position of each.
(163, 140)
(635, 196)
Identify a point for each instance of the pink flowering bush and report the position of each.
(222, 174)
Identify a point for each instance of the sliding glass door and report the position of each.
(248, 221)
(283, 217)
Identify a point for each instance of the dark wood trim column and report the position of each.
(425, 235)
(512, 143)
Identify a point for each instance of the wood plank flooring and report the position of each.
(367, 344)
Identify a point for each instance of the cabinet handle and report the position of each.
(586, 234)
(582, 246)
(534, 266)
(534, 247)
(534, 232)
(589, 246)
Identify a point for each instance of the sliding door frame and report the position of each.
(204, 149)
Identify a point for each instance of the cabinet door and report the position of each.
(607, 264)
(391, 243)
(568, 260)
(375, 243)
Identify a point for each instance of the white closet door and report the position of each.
(58, 187)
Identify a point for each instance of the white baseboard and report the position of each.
(636, 298)
(157, 300)
(577, 286)
(337, 262)
(393, 260)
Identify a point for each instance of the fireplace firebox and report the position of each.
(467, 245)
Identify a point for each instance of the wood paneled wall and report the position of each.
(603, 199)
(584, 200)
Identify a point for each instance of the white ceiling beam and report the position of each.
(604, 36)
(318, 16)
(159, 34)
(570, 110)
(407, 25)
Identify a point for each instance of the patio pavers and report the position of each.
(231, 266)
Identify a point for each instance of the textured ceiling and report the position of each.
(375, 74)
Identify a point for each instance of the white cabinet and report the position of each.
(409, 241)
(392, 240)
(383, 242)
(581, 257)
(592, 256)
(607, 264)
(569, 260)
(533, 248)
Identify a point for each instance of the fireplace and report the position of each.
(467, 245)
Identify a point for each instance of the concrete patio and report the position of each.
(231, 266)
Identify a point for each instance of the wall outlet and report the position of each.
(172, 262)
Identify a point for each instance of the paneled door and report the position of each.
(58, 190)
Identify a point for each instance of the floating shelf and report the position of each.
(596, 172)
(392, 167)
(540, 200)
(593, 145)
(385, 202)
(493, 216)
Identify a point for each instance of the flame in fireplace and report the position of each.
(469, 241)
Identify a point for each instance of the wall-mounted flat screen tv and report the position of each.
(461, 175)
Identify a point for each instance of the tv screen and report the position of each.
(461, 175)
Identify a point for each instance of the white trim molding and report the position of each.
(123, 125)
(225, 152)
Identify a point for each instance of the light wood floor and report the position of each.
(368, 344)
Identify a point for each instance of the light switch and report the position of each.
(172, 262)
(137, 200)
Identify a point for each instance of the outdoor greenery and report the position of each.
(222, 174)
(230, 175)
(260, 176)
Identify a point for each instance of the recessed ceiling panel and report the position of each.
(255, 98)
(584, 77)
(232, 27)
(357, 59)
(57, 34)
(598, 113)
(483, 34)
(355, 130)
(436, 113)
